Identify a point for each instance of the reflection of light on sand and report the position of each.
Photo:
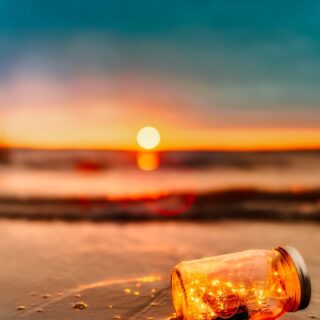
(109, 282)
(98, 284)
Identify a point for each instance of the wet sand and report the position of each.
(47, 267)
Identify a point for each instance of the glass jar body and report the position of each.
(255, 284)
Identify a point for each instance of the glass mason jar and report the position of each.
(254, 284)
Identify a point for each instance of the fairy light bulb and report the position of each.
(255, 284)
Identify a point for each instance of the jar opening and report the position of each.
(304, 278)
(179, 296)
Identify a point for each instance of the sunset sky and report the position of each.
(207, 74)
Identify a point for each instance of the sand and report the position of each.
(48, 268)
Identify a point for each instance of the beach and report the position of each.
(135, 135)
(122, 270)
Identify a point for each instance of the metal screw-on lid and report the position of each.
(303, 273)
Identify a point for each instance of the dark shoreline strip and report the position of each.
(247, 204)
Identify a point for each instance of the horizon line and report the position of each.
(161, 150)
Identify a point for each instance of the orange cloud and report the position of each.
(87, 114)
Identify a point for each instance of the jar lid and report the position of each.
(303, 274)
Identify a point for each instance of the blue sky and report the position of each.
(225, 63)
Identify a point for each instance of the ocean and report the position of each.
(110, 184)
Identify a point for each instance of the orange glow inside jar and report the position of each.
(255, 284)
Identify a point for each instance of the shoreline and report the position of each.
(245, 204)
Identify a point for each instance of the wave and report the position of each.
(224, 204)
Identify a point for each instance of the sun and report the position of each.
(148, 138)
